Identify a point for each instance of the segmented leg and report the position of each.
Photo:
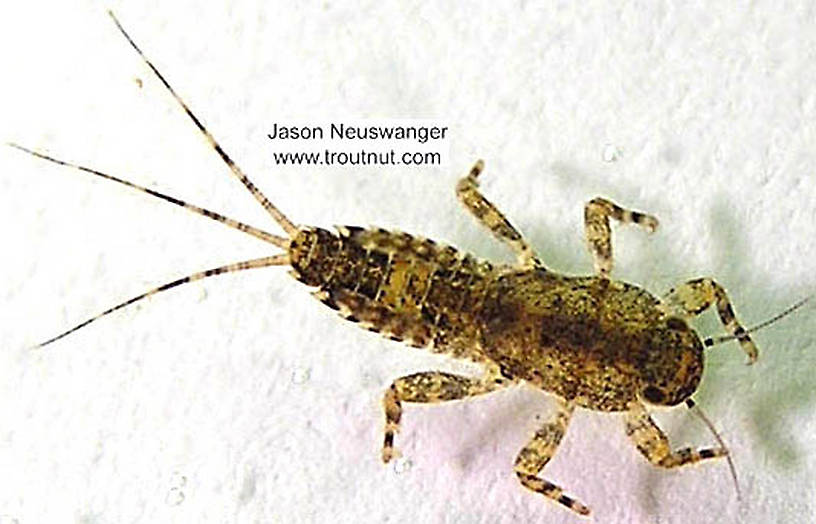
(654, 445)
(428, 387)
(468, 192)
(535, 455)
(695, 296)
(598, 232)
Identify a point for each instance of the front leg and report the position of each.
(468, 192)
(654, 444)
(695, 296)
(429, 387)
(535, 455)
(598, 233)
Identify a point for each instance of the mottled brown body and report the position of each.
(407, 288)
(589, 341)
(586, 339)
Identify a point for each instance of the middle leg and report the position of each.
(535, 455)
(598, 233)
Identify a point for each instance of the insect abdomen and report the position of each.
(404, 287)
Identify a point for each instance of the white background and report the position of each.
(241, 399)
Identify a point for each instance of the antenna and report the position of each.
(699, 413)
(713, 341)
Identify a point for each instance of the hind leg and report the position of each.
(468, 192)
(428, 387)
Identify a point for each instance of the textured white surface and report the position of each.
(240, 399)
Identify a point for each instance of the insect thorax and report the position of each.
(586, 339)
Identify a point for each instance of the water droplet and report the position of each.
(611, 153)
(370, 380)
(301, 375)
(177, 480)
(402, 465)
(174, 497)
(718, 155)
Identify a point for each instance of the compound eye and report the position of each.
(653, 395)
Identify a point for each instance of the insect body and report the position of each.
(591, 342)
(594, 342)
